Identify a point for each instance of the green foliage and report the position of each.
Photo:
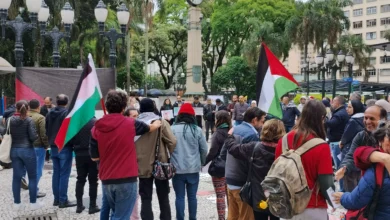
(136, 75)
(237, 75)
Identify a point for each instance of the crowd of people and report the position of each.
(334, 139)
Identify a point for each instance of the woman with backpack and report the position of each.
(316, 162)
(355, 124)
(367, 194)
(263, 154)
(223, 124)
(188, 156)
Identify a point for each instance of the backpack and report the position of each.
(285, 184)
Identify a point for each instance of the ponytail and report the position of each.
(22, 107)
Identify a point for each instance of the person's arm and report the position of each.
(361, 195)
(213, 152)
(168, 138)
(224, 150)
(42, 132)
(32, 131)
(297, 112)
(333, 122)
(348, 161)
(142, 128)
(242, 151)
(365, 156)
(93, 149)
(202, 146)
(325, 170)
(47, 124)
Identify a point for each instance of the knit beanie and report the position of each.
(187, 108)
(146, 105)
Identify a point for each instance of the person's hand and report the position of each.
(157, 123)
(340, 173)
(231, 131)
(341, 145)
(337, 197)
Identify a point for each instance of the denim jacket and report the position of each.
(191, 149)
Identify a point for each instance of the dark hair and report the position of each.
(382, 132)
(327, 99)
(34, 104)
(285, 96)
(22, 107)
(253, 112)
(62, 99)
(116, 101)
(311, 121)
(341, 99)
(196, 98)
(189, 122)
(50, 98)
(223, 117)
(128, 110)
(383, 113)
(358, 106)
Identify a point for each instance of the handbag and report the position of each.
(162, 171)
(5, 146)
(246, 190)
(367, 213)
(217, 166)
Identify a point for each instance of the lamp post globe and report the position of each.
(319, 59)
(67, 14)
(353, 60)
(101, 12)
(340, 56)
(33, 6)
(44, 12)
(330, 55)
(348, 58)
(123, 15)
(182, 75)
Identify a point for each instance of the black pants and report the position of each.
(199, 121)
(209, 126)
(146, 193)
(264, 216)
(86, 168)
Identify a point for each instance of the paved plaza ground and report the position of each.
(206, 199)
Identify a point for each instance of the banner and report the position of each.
(38, 83)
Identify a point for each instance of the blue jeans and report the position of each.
(62, 165)
(105, 210)
(41, 154)
(181, 183)
(121, 199)
(335, 149)
(24, 159)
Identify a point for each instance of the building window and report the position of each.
(357, 2)
(357, 73)
(371, 72)
(371, 10)
(383, 34)
(358, 12)
(372, 60)
(385, 8)
(371, 0)
(370, 35)
(385, 59)
(359, 35)
(371, 23)
(346, 13)
(358, 24)
(385, 21)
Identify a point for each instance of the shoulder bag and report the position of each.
(162, 171)
(217, 165)
(5, 146)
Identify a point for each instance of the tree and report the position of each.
(387, 35)
(168, 48)
(236, 75)
(359, 49)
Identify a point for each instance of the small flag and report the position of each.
(272, 82)
(82, 107)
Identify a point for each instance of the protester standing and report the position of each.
(239, 110)
(112, 144)
(209, 118)
(197, 104)
(191, 145)
(290, 113)
(219, 106)
(47, 106)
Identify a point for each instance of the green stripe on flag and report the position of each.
(282, 86)
(82, 116)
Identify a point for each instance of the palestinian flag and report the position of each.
(82, 107)
(272, 82)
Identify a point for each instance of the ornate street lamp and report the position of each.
(123, 16)
(306, 73)
(4, 5)
(321, 61)
(350, 60)
(43, 16)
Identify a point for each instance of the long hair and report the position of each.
(22, 108)
(222, 117)
(189, 122)
(311, 122)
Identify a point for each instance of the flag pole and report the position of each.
(103, 106)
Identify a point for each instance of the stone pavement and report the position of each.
(206, 199)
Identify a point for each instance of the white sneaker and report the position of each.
(1, 168)
(35, 206)
(17, 207)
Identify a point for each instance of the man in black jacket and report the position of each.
(197, 104)
(85, 168)
(336, 126)
(62, 161)
(209, 117)
(219, 105)
(47, 106)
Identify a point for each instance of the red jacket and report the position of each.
(362, 155)
(113, 137)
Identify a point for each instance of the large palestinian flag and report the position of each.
(272, 82)
(82, 107)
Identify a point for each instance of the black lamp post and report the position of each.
(349, 59)
(306, 74)
(19, 26)
(112, 35)
(321, 62)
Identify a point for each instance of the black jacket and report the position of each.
(217, 142)
(198, 117)
(54, 120)
(336, 124)
(208, 114)
(221, 107)
(45, 110)
(236, 171)
(354, 126)
(290, 112)
(23, 132)
(263, 158)
(363, 138)
(80, 142)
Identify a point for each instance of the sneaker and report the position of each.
(35, 206)
(24, 184)
(1, 168)
(41, 195)
(17, 207)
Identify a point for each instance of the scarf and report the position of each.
(224, 125)
(269, 144)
